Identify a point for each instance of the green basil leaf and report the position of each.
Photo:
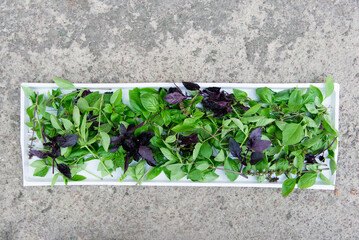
(333, 166)
(196, 150)
(325, 179)
(295, 101)
(265, 94)
(264, 122)
(54, 179)
(328, 125)
(140, 169)
(55, 122)
(154, 172)
(41, 172)
(288, 186)
(82, 104)
(210, 177)
(150, 102)
(230, 164)
(202, 165)
(292, 133)
(314, 92)
(329, 87)
(105, 140)
(76, 116)
(168, 154)
(307, 180)
(220, 156)
(77, 178)
(239, 94)
(195, 175)
(252, 110)
(38, 164)
(312, 141)
(116, 98)
(67, 123)
(206, 150)
(238, 123)
(28, 92)
(64, 84)
(311, 108)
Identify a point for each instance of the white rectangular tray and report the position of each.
(331, 102)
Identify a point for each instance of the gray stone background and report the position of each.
(162, 41)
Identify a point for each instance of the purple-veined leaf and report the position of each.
(191, 86)
(68, 141)
(145, 137)
(235, 148)
(255, 134)
(64, 169)
(117, 139)
(256, 157)
(147, 154)
(174, 98)
(193, 138)
(38, 153)
(127, 162)
(260, 145)
(123, 129)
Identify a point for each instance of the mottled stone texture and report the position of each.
(162, 41)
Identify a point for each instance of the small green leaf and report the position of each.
(78, 178)
(265, 94)
(325, 179)
(210, 177)
(329, 126)
(196, 150)
(55, 122)
(83, 128)
(239, 94)
(150, 102)
(202, 165)
(238, 123)
(171, 139)
(116, 98)
(67, 123)
(220, 156)
(295, 101)
(64, 84)
(329, 86)
(206, 150)
(307, 180)
(38, 164)
(312, 141)
(311, 108)
(230, 164)
(298, 162)
(264, 122)
(292, 133)
(154, 172)
(41, 172)
(288, 186)
(54, 179)
(82, 104)
(333, 166)
(168, 154)
(252, 110)
(195, 175)
(76, 116)
(28, 92)
(105, 140)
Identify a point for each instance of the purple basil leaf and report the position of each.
(191, 86)
(129, 144)
(147, 154)
(70, 140)
(174, 98)
(127, 162)
(193, 138)
(260, 145)
(64, 169)
(212, 90)
(255, 134)
(115, 148)
(123, 129)
(234, 148)
(145, 137)
(256, 157)
(117, 139)
(244, 108)
(38, 153)
(131, 128)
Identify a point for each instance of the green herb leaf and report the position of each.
(67, 123)
(265, 94)
(154, 172)
(206, 150)
(168, 154)
(239, 94)
(220, 156)
(76, 116)
(82, 104)
(28, 92)
(41, 172)
(333, 166)
(105, 140)
(295, 101)
(329, 87)
(288, 186)
(140, 169)
(230, 164)
(307, 180)
(55, 122)
(150, 102)
(328, 125)
(64, 84)
(325, 179)
(252, 110)
(78, 178)
(116, 98)
(292, 133)
(196, 150)
(54, 179)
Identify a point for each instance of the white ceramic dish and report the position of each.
(331, 102)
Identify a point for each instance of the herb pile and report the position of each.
(190, 134)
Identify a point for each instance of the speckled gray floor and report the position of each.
(204, 41)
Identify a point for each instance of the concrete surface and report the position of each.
(203, 41)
